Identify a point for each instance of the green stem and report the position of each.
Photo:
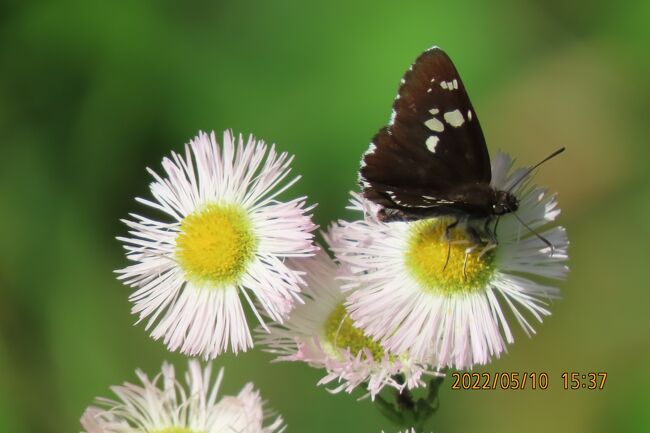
(408, 412)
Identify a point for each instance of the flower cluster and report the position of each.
(392, 304)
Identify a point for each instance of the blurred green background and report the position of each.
(93, 92)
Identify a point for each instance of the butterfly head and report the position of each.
(505, 203)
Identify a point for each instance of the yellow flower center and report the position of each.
(443, 269)
(340, 333)
(174, 430)
(215, 244)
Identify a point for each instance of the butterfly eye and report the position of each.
(513, 203)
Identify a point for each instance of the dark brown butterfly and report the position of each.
(432, 159)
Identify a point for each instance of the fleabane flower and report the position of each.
(164, 405)
(321, 333)
(443, 300)
(224, 236)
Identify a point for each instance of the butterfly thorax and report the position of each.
(473, 201)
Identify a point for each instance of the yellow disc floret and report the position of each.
(215, 244)
(445, 267)
(340, 333)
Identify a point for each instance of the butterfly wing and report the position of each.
(434, 144)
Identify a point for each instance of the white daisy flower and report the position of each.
(225, 235)
(450, 313)
(321, 333)
(164, 405)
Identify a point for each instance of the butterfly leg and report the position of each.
(491, 233)
(468, 251)
(474, 237)
(475, 240)
(496, 225)
(447, 236)
(489, 247)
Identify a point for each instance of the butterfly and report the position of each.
(432, 158)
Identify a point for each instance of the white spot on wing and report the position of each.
(454, 118)
(434, 125)
(449, 85)
(431, 143)
(469, 114)
(434, 111)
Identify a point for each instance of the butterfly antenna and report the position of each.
(540, 237)
(530, 170)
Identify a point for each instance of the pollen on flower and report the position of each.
(215, 244)
(427, 253)
(340, 333)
